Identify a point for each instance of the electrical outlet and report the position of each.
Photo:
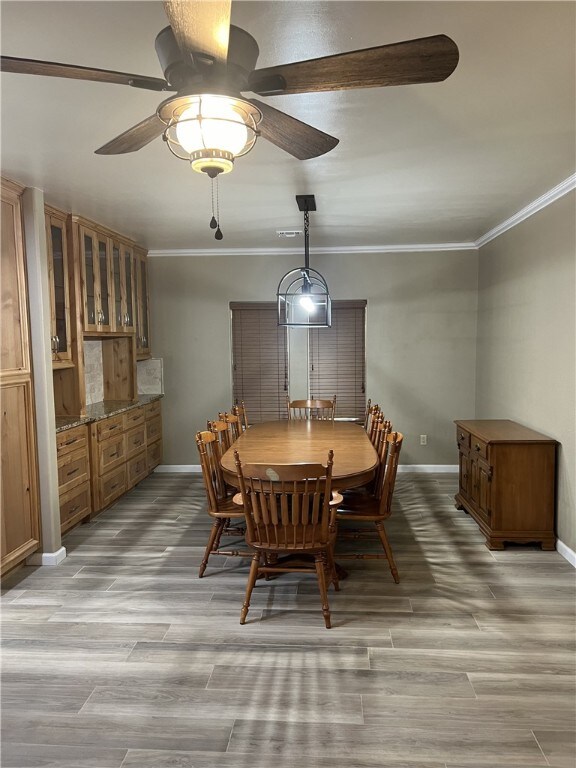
(423, 439)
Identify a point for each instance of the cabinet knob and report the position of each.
(477, 447)
(461, 436)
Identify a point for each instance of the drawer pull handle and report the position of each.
(114, 455)
(71, 442)
(113, 486)
(477, 447)
(74, 509)
(72, 472)
(138, 443)
(462, 436)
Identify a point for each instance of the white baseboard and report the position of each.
(47, 558)
(178, 468)
(420, 468)
(566, 552)
(196, 469)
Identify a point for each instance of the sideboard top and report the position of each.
(503, 431)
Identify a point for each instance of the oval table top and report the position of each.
(296, 442)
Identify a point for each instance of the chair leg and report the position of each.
(213, 542)
(250, 586)
(321, 573)
(388, 549)
(332, 569)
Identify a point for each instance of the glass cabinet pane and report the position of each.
(128, 278)
(144, 300)
(60, 292)
(104, 286)
(90, 280)
(116, 272)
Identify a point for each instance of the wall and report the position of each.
(421, 332)
(526, 337)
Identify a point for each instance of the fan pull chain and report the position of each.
(218, 234)
(215, 220)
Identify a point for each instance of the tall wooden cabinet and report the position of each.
(20, 528)
(507, 481)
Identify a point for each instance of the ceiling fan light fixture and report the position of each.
(209, 130)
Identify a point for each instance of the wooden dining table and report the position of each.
(296, 442)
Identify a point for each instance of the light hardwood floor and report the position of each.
(121, 656)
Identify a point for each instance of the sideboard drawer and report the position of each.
(110, 426)
(463, 439)
(112, 485)
(479, 447)
(111, 453)
(136, 469)
(134, 418)
(153, 429)
(72, 440)
(75, 505)
(73, 470)
(154, 454)
(153, 409)
(135, 441)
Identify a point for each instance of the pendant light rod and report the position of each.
(306, 241)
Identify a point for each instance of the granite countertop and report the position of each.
(103, 410)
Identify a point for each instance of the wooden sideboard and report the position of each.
(507, 481)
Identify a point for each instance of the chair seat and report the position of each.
(357, 505)
(229, 508)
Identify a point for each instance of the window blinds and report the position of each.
(337, 359)
(259, 360)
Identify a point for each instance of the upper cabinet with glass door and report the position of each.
(123, 284)
(59, 287)
(97, 281)
(143, 349)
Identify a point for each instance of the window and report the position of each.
(259, 360)
(337, 359)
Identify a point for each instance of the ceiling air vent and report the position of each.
(289, 232)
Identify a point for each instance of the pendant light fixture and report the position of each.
(302, 295)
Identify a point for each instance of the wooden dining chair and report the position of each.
(240, 410)
(367, 413)
(371, 414)
(222, 431)
(374, 508)
(374, 433)
(290, 513)
(314, 409)
(220, 502)
(233, 422)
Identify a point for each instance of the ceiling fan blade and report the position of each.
(134, 138)
(55, 69)
(293, 136)
(201, 27)
(425, 60)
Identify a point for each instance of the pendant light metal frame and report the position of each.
(304, 283)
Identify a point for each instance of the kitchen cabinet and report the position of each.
(97, 281)
(73, 476)
(143, 349)
(20, 509)
(123, 285)
(507, 481)
(58, 277)
(124, 449)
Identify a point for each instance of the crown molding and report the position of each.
(529, 210)
(336, 250)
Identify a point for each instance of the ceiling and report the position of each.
(435, 163)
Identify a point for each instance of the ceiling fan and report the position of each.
(210, 63)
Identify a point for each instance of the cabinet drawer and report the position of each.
(153, 429)
(135, 441)
(152, 409)
(463, 438)
(134, 418)
(136, 469)
(72, 440)
(73, 470)
(108, 427)
(75, 505)
(112, 485)
(111, 453)
(478, 447)
(154, 454)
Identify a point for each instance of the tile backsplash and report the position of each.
(93, 372)
(149, 373)
(150, 376)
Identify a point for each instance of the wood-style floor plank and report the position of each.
(120, 657)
